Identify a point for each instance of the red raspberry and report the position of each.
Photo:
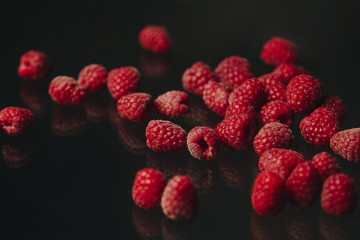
(276, 93)
(180, 199)
(325, 164)
(93, 77)
(237, 131)
(15, 121)
(347, 144)
(277, 51)
(195, 78)
(216, 97)
(303, 185)
(122, 81)
(203, 143)
(239, 108)
(288, 71)
(273, 135)
(276, 111)
(319, 127)
(250, 92)
(271, 79)
(148, 187)
(268, 194)
(154, 38)
(165, 136)
(172, 104)
(66, 91)
(338, 195)
(281, 161)
(303, 93)
(136, 106)
(34, 66)
(336, 105)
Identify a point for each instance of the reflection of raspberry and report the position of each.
(154, 38)
(203, 143)
(239, 108)
(169, 164)
(66, 91)
(325, 164)
(216, 96)
(288, 71)
(203, 175)
(16, 154)
(34, 65)
(278, 50)
(195, 78)
(336, 105)
(147, 223)
(347, 144)
(276, 111)
(172, 103)
(95, 107)
(93, 77)
(153, 65)
(15, 121)
(35, 97)
(68, 120)
(135, 106)
(250, 92)
(122, 81)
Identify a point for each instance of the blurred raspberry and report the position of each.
(68, 120)
(277, 51)
(93, 77)
(17, 153)
(288, 71)
(336, 105)
(15, 121)
(154, 38)
(34, 65)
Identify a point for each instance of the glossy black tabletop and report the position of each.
(70, 177)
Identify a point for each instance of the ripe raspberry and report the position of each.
(15, 121)
(154, 38)
(303, 185)
(165, 136)
(273, 135)
(172, 104)
(280, 161)
(237, 131)
(180, 199)
(303, 93)
(288, 71)
(276, 111)
(276, 93)
(250, 92)
(195, 78)
(216, 96)
(93, 77)
(66, 91)
(347, 144)
(325, 164)
(338, 195)
(336, 105)
(319, 127)
(203, 143)
(34, 66)
(136, 106)
(148, 187)
(268, 195)
(271, 79)
(122, 81)
(277, 51)
(239, 108)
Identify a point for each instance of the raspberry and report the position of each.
(154, 38)
(237, 131)
(122, 81)
(15, 121)
(67, 121)
(338, 195)
(268, 195)
(319, 127)
(165, 136)
(239, 108)
(195, 78)
(276, 93)
(180, 199)
(172, 104)
(303, 185)
(271, 79)
(303, 93)
(347, 144)
(216, 96)
(250, 92)
(135, 106)
(276, 111)
(93, 77)
(325, 164)
(336, 105)
(148, 187)
(34, 66)
(203, 143)
(281, 161)
(288, 71)
(66, 91)
(277, 51)
(273, 135)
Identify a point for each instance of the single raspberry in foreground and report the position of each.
(15, 121)
(34, 65)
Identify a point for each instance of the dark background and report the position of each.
(70, 177)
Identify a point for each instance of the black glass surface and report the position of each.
(70, 177)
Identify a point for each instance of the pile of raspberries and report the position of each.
(257, 112)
